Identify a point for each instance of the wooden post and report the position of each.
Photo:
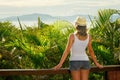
(113, 75)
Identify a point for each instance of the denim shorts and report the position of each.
(77, 65)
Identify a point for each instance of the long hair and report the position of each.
(81, 30)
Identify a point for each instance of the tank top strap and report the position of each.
(88, 36)
(74, 35)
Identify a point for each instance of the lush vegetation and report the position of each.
(106, 36)
(41, 46)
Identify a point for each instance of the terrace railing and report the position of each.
(112, 71)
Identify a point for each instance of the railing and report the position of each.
(110, 70)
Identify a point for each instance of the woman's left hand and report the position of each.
(57, 67)
(99, 65)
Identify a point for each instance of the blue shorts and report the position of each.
(77, 65)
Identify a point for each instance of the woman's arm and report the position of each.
(66, 52)
(92, 53)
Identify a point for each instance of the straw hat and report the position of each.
(80, 21)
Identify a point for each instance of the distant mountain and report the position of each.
(31, 19)
(43, 17)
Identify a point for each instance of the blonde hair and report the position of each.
(81, 30)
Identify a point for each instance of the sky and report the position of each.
(55, 7)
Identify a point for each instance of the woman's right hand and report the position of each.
(57, 67)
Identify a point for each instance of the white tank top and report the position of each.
(78, 48)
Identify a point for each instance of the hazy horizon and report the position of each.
(55, 7)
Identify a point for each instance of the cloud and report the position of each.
(55, 7)
(47, 3)
(94, 3)
(28, 3)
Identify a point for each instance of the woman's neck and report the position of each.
(81, 37)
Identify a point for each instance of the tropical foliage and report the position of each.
(42, 46)
(106, 36)
(33, 47)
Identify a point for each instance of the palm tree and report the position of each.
(105, 32)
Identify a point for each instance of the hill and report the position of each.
(31, 19)
(43, 17)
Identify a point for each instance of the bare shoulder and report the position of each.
(90, 38)
(71, 36)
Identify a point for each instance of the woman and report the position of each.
(77, 44)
